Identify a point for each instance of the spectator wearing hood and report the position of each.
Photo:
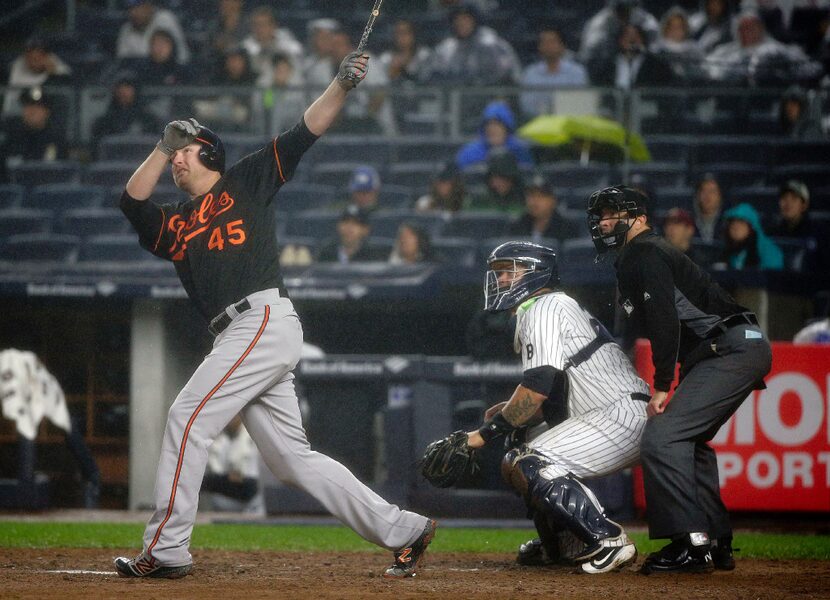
(755, 56)
(796, 117)
(505, 186)
(711, 25)
(144, 18)
(160, 67)
(473, 54)
(677, 48)
(495, 134)
(746, 246)
(601, 33)
(125, 113)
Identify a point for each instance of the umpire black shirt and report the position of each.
(673, 301)
(223, 243)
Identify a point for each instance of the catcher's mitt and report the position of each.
(447, 461)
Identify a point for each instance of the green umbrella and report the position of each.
(559, 130)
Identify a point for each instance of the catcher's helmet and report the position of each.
(618, 199)
(212, 153)
(538, 270)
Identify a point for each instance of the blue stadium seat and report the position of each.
(113, 247)
(41, 247)
(385, 223)
(32, 173)
(238, 145)
(661, 174)
(59, 197)
(799, 153)
(337, 174)
(344, 148)
(94, 221)
(317, 224)
(297, 196)
(456, 251)
(415, 174)
(475, 225)
(126, 147)
(669, 148)
(670, 197)
(581, 252)
(25, 220)
(571, 174)
(734, 149)
(11, 195)
(732, 175)
(415, 148)
(395, 196)
(763, 197)
(814, 175)
(109, 173)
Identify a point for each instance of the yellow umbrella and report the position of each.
(559, 130)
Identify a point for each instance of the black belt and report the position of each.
(744, 318)
(642, 397)
(221, 321)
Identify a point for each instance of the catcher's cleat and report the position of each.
(533, 553)
(610, 558)
(680, 556)
(144, 565)
(407, 559)
(722, 554)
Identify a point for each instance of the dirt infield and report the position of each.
(32, 573)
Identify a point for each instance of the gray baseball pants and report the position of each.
(680, 469)
(249, 371)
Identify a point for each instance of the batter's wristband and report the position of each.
(495, 427)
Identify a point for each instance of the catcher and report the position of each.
(579, 412)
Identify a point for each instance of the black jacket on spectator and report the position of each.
(366, 253)
(654, 71)
(815, 238)
(26, 143)
(558, 227)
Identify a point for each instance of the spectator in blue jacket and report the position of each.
(496, 134)
(746, 244)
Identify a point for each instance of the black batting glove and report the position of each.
(177, 135)
(352, 70)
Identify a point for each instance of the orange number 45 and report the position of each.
(235, 235)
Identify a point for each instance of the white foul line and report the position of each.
(80, 572)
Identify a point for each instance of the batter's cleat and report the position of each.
(681, 556)
(533, 553)
(407, 559)
(722, 554)
(611, 558)
(144, 565)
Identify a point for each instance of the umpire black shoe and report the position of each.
(147, 566)
(689, 554)
(407, 559)
(533, 553)
(722, 554)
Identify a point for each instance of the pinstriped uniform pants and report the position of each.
(249, 371)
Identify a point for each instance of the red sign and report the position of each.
(774, 453)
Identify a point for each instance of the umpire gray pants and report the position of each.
(680, 469)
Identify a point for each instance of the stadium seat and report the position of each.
(59, 197)
(732, 175)
(457, 251)
(32, 173)
(126, 147)
(794, 252)
(661, 174)
(569, 174)
(814, 175)
(669, 148)
(109, 173)
(11, 195)
(41, 247)
(385, 223)
(337, 174)
(415, 174)
(475, 225)
(298, 196)
(344, 148)
(800, 153)
(316, 224)
(94, 221)
(665, 199)
(113, 247)
(395, 196)
(733, 149)
(763, 197)
(15, 221)
(419, 148)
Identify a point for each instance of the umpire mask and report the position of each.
(616, 199)
(518, 270)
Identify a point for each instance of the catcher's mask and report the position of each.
(212, 153)
(517, 270)
(616, 199)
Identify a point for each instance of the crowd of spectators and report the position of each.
(260, 66)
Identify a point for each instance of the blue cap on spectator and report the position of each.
(364, 179)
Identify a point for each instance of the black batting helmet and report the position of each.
(212, 153)
(538, 270)
(617, 199)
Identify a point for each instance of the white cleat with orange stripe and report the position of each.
(145, 565)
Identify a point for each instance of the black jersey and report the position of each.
(223, 243)
(673, 300)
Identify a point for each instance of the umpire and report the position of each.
(723, 356)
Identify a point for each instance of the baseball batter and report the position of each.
(573, 370)
(222, 242)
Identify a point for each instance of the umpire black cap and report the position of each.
(618, 199)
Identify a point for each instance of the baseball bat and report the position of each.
(369, 25)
